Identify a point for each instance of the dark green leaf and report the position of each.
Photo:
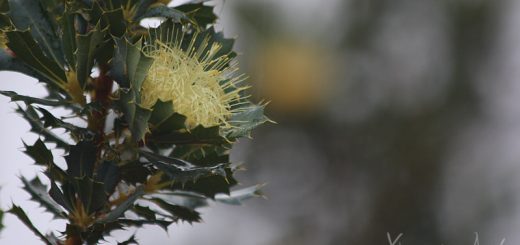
(246, 120)
(108, 174)
(184, 175)
(135, 115)
(28, 14)
(54, 8)
(199, 136)
(1, 219)
(123, 207)
(31, 100)
(38, 192)
(187, 199)
(239, 196)
(202, 14)
(168, 160)
(4, 6)
(164, 119)
(68, 38)
(129, 65)
(10, 63)
(91, 193)
(209, 186)
(81, 159)
(20, 214)
(128, 241)
(129, 222)
(144, 212)
(78, 133)
(202, 155)
(164, 12)
(218, 37)
(134, 172)
(178, 212)
(59, 197)
(114, 20)
(40, 153)
(31, 116)
(88, 46)
(28, 51)
(43, 156)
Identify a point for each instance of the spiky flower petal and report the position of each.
(201, 84)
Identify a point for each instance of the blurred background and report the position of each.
(399, 116)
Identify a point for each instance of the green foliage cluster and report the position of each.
(125, 158)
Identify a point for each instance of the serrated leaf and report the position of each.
(43, 156)
(54, 8)
(32, 100)
(31, 116)
(78, 133)
(178, 212)
(169, 160)
(114, 21)
(53, 238)
(202, 155)
(134, 172)
(22, 216)
(130, 240)
(209, 186)
(239, 196)
(91, 193)
(38, 192)
(164, 12)
(135, 115)
(88, 46)
(225, 43)
(184, 175)
(187, 199)
(81, 159)
(10, 63)
(246, 120)
(202, 14)
(144, 212)
(164, 119)
(28, 51)
(123, 207)
(129, 64)
(59, 197)
(130, 222)
(68, 38)
(1, 219)
(196, 136)
(108, 174)
(40, 153)
(28, 14)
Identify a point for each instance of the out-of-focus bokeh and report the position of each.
(398, 116)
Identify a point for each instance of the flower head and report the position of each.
(200, 82)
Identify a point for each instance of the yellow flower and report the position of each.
(202, 86)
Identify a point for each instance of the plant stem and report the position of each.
(101, 95)
(73, 240)
(102, 89)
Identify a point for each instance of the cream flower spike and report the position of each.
(201, 86)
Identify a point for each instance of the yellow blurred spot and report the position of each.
(295, 76)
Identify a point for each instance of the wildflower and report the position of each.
(201, 83)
